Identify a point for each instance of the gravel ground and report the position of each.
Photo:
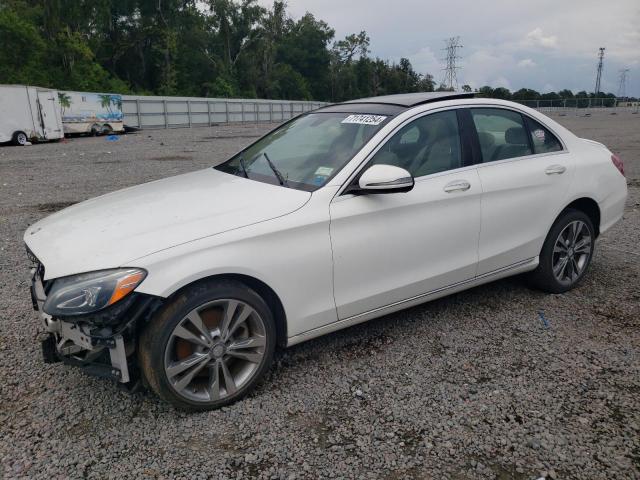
(476, 385)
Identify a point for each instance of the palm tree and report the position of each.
(117, 102)
(65, 101)
(105, 101)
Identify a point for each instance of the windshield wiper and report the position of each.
(276, 172)
(243, 166)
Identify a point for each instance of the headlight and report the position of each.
(90, 292)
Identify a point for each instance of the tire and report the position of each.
(555, 249)
(20, 139)
(167, 345)
(95, 130)
(106, 130)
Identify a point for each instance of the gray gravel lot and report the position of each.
(475, 385)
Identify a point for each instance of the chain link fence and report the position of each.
(582, 105)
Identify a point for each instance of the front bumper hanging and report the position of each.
(73, 344)
(98, 350)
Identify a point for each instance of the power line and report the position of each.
(450, 79)
(599, 74)
(622, 88)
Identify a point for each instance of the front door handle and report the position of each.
(457, 186)
(555, 170)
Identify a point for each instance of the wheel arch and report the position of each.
(265, 291)
(589, 207)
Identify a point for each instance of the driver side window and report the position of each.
(429, 144)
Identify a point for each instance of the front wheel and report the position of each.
(209, 346)
(566, 253)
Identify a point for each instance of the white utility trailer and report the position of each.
(29, 113)
(93, 113)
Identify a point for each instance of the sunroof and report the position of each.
(412, 99)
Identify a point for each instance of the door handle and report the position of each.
(555, 170)
(457, 186)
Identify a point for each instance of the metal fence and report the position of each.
(582, 105)
(172, 112)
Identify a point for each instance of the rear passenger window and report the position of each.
(542, 139)
(502, 134)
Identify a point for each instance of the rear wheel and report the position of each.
(209, 346)
(20, 138)
(106, 130)
(566, 253)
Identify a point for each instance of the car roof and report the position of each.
(391, 104)
(409, 100)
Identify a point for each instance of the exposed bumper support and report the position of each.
(74, 344)
(86, 345)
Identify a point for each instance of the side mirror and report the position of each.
(385, 179)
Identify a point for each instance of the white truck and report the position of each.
(29, 113)
(92, 113)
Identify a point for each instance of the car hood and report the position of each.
(117, 228)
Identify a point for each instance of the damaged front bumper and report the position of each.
(103, 344)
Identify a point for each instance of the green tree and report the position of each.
(485, 91)
(225, 48)
(304, 48)
(353, 45)
(501, 93)
(290, 84)
(23, 49)
(525, 94)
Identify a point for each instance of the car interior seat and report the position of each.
(487, 144)
(516, 144)
(401, 154)
(442, 151)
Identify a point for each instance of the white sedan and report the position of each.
(340, 215)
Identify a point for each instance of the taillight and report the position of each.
(618, 163)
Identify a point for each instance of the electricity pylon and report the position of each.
(622, 87)
(451, 68)
(599, 73)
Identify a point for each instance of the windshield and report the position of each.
(306, 152)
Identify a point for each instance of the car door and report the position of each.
(389, 248)
(525, 175)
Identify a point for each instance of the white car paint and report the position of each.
(333, 259)
(117, 228)
(389, 247)
(519, 204)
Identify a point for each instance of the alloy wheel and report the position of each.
(215, 350)
(571, 252)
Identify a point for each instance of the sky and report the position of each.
(547, 45)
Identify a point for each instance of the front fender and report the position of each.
(290, 254)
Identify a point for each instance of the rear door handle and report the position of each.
(457, 186)
(555, 170)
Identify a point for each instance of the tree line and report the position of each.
(212, 48)
(203, 48)
(528, 94)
